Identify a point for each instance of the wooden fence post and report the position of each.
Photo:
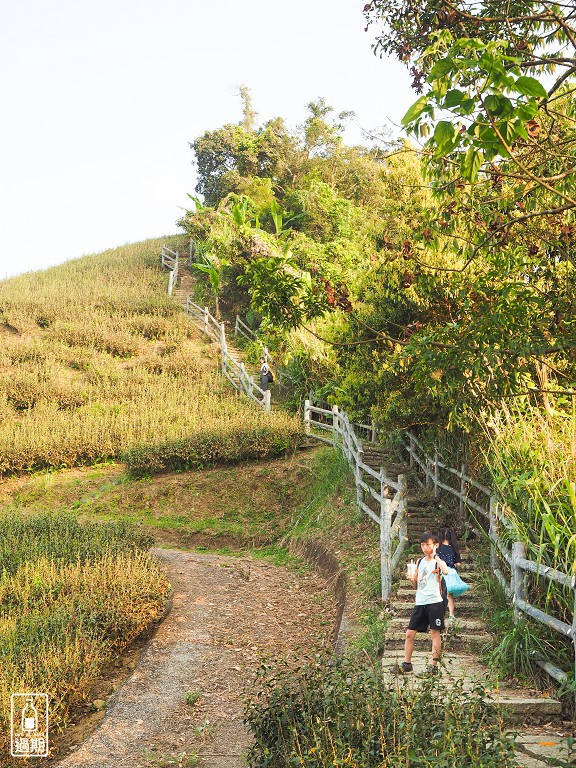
(236, 326)
(335, 424)
(385, 525)
(412, 449)
(463, 487)
(358, 475)
(205, 319)
(428, 471)
(403, 506)
(518, 580)
(493, 531)
(223, 346)
(267, 398)
(373, 433)
(307, 416)
(436, 476)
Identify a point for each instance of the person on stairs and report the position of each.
(428, 610)
(264, 378)
(448, 551)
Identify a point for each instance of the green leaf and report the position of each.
(444, 135)
(529, 86)
(440, 69)
(415, 110)
(471, 163)
(453, 98)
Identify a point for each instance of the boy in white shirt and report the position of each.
(428, 612)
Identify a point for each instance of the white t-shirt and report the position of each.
(427, 588)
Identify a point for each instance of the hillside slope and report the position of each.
(96, 360)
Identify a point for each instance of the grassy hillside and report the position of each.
(96, 360)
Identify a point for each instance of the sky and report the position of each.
(101, 99)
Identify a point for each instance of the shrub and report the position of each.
(71, 597)
(337, 711)
(231, 442)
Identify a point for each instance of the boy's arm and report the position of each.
(441, 564)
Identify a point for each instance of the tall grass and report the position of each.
(71, 597)
(531, 456)
(97, 361)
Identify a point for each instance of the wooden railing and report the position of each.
(234, 371)
(170, 261)
(373, 488)
(506, 555)
(241, 329)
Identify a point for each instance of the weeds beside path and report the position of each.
(183, 704)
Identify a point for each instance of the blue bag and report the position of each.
(454, 583)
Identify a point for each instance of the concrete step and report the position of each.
(519, 705)
(468, 607)
(469, 641)
(463, 626)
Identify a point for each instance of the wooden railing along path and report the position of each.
(373, 487)
(504, 556)
(170, 261)
(234, 371)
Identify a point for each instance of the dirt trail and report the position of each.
(225, 612)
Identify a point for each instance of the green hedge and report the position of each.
(213, 446)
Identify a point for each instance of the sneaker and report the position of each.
(402, 669)
(431, 669)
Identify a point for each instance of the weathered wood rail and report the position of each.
(507, 557)
(170, 261)
(241, 329)
(234, 371)
(373, 488)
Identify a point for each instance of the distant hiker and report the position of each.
(448, 551)
(264, 377)
(428, 611)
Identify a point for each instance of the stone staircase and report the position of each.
(461, 645)
(180, 294)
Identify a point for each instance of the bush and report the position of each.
(71, 597)
(337, 711)
(218, 444)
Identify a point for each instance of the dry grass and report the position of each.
(97, 361)
(71, 598)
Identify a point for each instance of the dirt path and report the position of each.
(225, 612)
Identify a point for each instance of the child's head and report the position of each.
(447, 534)
(428, 542)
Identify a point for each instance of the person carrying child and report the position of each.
(448, 551)
(428, 613)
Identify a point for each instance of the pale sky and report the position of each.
(100, 99)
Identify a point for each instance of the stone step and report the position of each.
(467, 607)
(469, 641)
(464, 625)
(519, 705)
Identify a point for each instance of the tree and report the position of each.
(497, 119)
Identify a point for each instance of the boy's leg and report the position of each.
(436, 645)
(409, 645)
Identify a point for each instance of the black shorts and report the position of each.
(426, 617)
